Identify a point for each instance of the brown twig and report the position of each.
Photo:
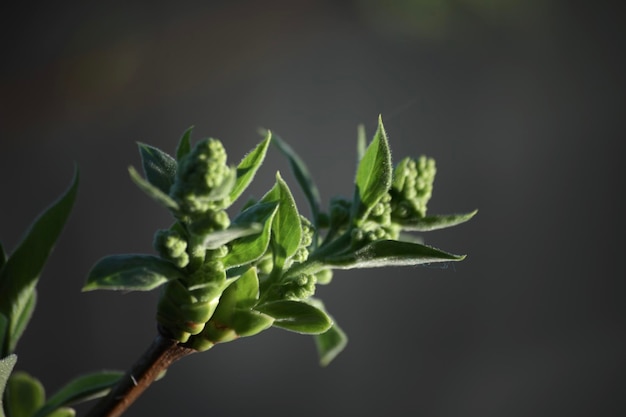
(158, 357)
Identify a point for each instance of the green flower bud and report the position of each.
(172, 246)
(412, 187)
(299, 288)
(203, 180)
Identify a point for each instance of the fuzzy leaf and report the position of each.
(361, 142)
(303, 176)
(244, 291)
(80, 389)
(296, 316)
(24, 395)
(131, 272)
(23, 319)
(22, 269)
(248, 167)
(250, 248)
(330, 343)
(374, 174)
(286, 227)
(184, 144)
(62, 412)
(216, 239)
(428, 223)
(390, 253)
(6, 367)
(152, 191)
(159, 167)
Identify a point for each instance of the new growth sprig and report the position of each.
(221, 278)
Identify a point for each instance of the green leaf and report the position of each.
(184, 144)
(23, 319)
(6, 367)
(131, 272)
(296, 316)
(248, 167)
(216, 239)
(234, 311)
(245, 290)
(80, 389)
(159, 167)
(303, 176)
(330, 343)
(62, 412)
(24, 395)
(361, 142)
(152, 191)
(21, 271)
(250, 248)
(286, 227)
(428, 223)
(390, 253)
(374, 174)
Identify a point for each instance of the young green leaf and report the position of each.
(6, 367)
(330, 343)
(286, 227)
(62, 412)
(83, 388)
(248, 167)
(184, 144)
(21, 271)
(216, 239)
(24, 395)
(296, 316)
(303, 176)
(250, 248)
(159, 167)
(23, 318)
(244, 291)
(361, 142)
(131, 272)
(152, 191)
(428, 223)
(374, 174)
(390, 253)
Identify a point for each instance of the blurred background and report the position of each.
(520, 102)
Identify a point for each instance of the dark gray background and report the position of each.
(520, 102)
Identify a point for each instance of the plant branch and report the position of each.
(157, 358)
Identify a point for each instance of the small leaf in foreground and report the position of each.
(83, 388)
(330, 343)
(184, 144)
(24, 395)
(6, 367)
(22, 269)
(390, 253)
(131, 272)
(248, 167)
(297, 316)
(158, 166)
(303, 176)
(152, 191)
(436, 222)
(374, 174)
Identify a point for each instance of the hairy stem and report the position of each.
(157, 358)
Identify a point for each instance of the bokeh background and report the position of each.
(521, 103)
